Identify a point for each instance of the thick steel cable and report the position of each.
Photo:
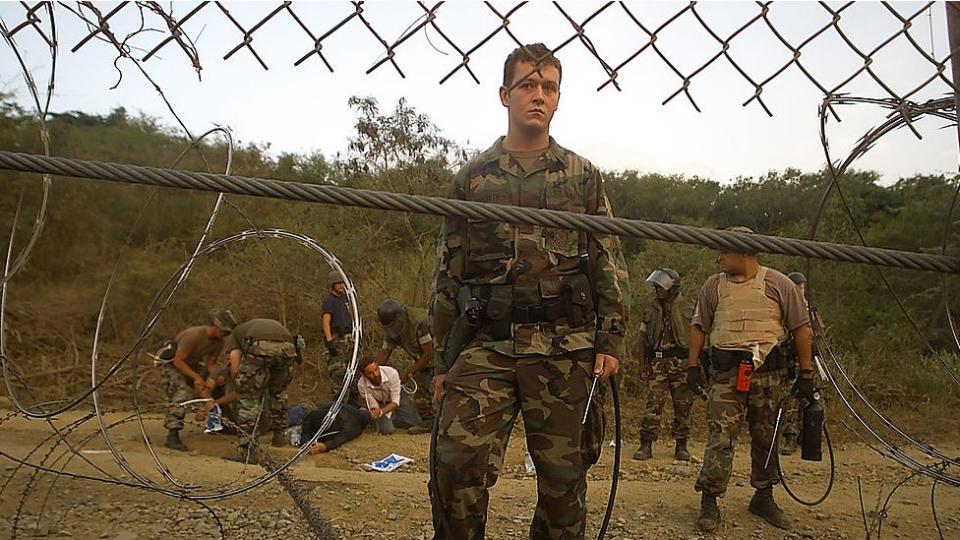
(297, 191)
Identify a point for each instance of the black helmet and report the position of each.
(391, 315)
(665, 278)
(797, 277)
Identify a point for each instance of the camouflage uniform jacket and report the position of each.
(652, 323)
(536, 261)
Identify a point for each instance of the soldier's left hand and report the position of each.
(605, 366)
(804, 388)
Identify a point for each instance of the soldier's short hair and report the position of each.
(533, 53)
(745, 230)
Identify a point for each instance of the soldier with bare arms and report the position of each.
(194, 354)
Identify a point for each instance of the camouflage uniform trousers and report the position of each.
(669, 379)
(261, 396)
(726, 410)
(790, 423)
(483, 394)
(337, 370)
(178, 388)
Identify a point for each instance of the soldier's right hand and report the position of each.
(332, 348)
(199, 383)
(695, 380)
(438, 389)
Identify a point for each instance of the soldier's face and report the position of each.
(533, 102)
(339, 288)
(731, 262)
(662, 294)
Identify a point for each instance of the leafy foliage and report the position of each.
(54, 302)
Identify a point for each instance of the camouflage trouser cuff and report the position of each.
(708, 492)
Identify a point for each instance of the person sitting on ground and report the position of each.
(348, 425)
(381, 393)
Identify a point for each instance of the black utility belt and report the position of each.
(724, 360)
(496, 304)
(676, 352)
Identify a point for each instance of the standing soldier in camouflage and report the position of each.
(526, 315)
(791, 414)
(749, 311)
(663, 361)
(261, 353)
(337, 326)
(407, 328)
(194, 354)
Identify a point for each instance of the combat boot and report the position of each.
(763, 505)
(279, 439)
(680, 453)
(709, 518)
(173, 441)
(645, 452)
(788, 445)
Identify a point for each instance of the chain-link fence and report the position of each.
(718, 39)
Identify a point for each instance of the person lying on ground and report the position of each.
(348, 425)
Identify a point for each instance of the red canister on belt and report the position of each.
(743, 375)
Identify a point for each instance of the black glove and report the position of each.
(695, 380)
(332, 348)
(804, 389)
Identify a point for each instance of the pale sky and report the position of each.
(303, 109)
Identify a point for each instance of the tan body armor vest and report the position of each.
(745, 316)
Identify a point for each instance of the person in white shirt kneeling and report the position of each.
(381, 393)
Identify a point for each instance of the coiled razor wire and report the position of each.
(42, 111)
(195, 492)
(900, 117)
(41, 409)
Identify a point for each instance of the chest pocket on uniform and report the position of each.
(490, 240)
(563, 194)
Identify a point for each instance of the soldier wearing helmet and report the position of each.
(663, 351)
(337, 330)
(791, 414)
(407, 328)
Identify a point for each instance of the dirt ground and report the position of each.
(655, 498)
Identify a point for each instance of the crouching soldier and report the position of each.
(191, 355)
